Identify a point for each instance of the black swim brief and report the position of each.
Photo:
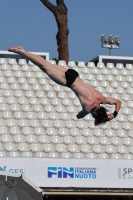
(70, 75)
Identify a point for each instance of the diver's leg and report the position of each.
(55, 72)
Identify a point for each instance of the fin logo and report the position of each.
(72, 172)
(60, 172)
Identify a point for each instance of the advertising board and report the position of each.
(81, 173)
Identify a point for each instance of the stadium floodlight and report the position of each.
(110, 42)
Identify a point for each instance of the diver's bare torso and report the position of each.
(88, 96)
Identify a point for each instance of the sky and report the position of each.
(31, 24)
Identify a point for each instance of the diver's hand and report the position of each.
(111, 116)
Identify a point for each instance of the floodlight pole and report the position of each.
(110, 51)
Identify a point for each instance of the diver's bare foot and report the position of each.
(19, 50)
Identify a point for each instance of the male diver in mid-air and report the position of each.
(89, 98)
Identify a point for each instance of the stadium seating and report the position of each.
(38, 117)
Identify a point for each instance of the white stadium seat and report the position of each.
(3, 129)
(110, 65)
(3, 61)
(80, 140)
(71, 64)
(124, 84)
(100, 65)
(35, 147)
(122, 149)
(47, 123)
(121, 133)
(116, 141)
(85, 70)
(127, 125)
(124, 72)
(3, 80)
(31, 139)
(62, 63)
(129, 79)
(127, 141)
(90, 77)
(103, 156)
(128, 156)
(23, 123)
(14, 154)
(18, 93)
(63, 131)
(43, 81)
(60, 148)
(66, 155)
(32, 81)
(38, 131)
(27, 130)
(15, 107)
(55, 139)
(130, 104)
(27, 154)
(110, 149)
(42, 115)
(119, 66)
(22, 147)
(10, 146)
(92, 140)
(51, 131)
(73, 148)
(6, 138)
(114, 84)
(85, 148)
(10, 100)
(22, 62)
(3, 154)
(78, 155)
(67, 102)
(29, 74)
(30, 115)
(81, 64)
(86, 132)
(95, 71)
(11, 122)
(68, 139)
(7, 114)
(53, 155)
(19, 138)
(74, 131)
(4, 107)
(116, 156)
(44, 101)
(104, 140)
(15, 130)
(65, 116)
(70, 124)
(97, 148)
(90, 64)
(91, 155)
(40, 154)
(36, 87)
(44, 139)
(25, 68)
(129, 66)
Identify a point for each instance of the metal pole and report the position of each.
(6, 194)
(110, 51)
